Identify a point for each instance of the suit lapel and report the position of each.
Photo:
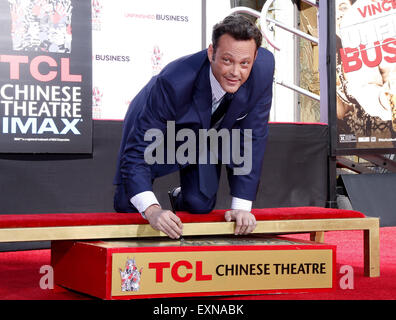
(238, 107)
(202, 99)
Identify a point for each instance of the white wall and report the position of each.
(284, 103)
(216, 10)
(145, 40)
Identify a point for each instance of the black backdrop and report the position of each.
(294, 174)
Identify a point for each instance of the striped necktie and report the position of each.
(221, 109)
(208, 175)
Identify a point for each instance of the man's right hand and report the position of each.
(165, 221)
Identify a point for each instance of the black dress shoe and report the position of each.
(172, 197)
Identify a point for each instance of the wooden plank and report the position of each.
(317, 236)
(201, 228)
(371, 252)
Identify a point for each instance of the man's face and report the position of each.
(232, 62)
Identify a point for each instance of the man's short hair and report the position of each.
(239, 27)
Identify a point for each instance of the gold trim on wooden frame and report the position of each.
(316, 227)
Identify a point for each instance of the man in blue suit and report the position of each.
(226, 87)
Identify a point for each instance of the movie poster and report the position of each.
(366, 74)
(45, 76)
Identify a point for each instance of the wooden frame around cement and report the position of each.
(316, 227)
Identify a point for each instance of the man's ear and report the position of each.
(210, 52)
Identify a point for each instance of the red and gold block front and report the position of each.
(194, 266)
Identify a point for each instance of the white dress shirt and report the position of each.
(143, 200)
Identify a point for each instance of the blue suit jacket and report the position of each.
(182, 93)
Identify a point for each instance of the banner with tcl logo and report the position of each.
(45, 76)
(366, 75)
(133, 41)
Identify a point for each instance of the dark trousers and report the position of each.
(189, 199)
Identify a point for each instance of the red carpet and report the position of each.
(20, 273)
(106, 218)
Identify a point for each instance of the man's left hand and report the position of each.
(245, 221)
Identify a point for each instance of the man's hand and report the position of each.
(245, 221)
(165, 221)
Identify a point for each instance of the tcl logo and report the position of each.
(161, 267)
(17, 62)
